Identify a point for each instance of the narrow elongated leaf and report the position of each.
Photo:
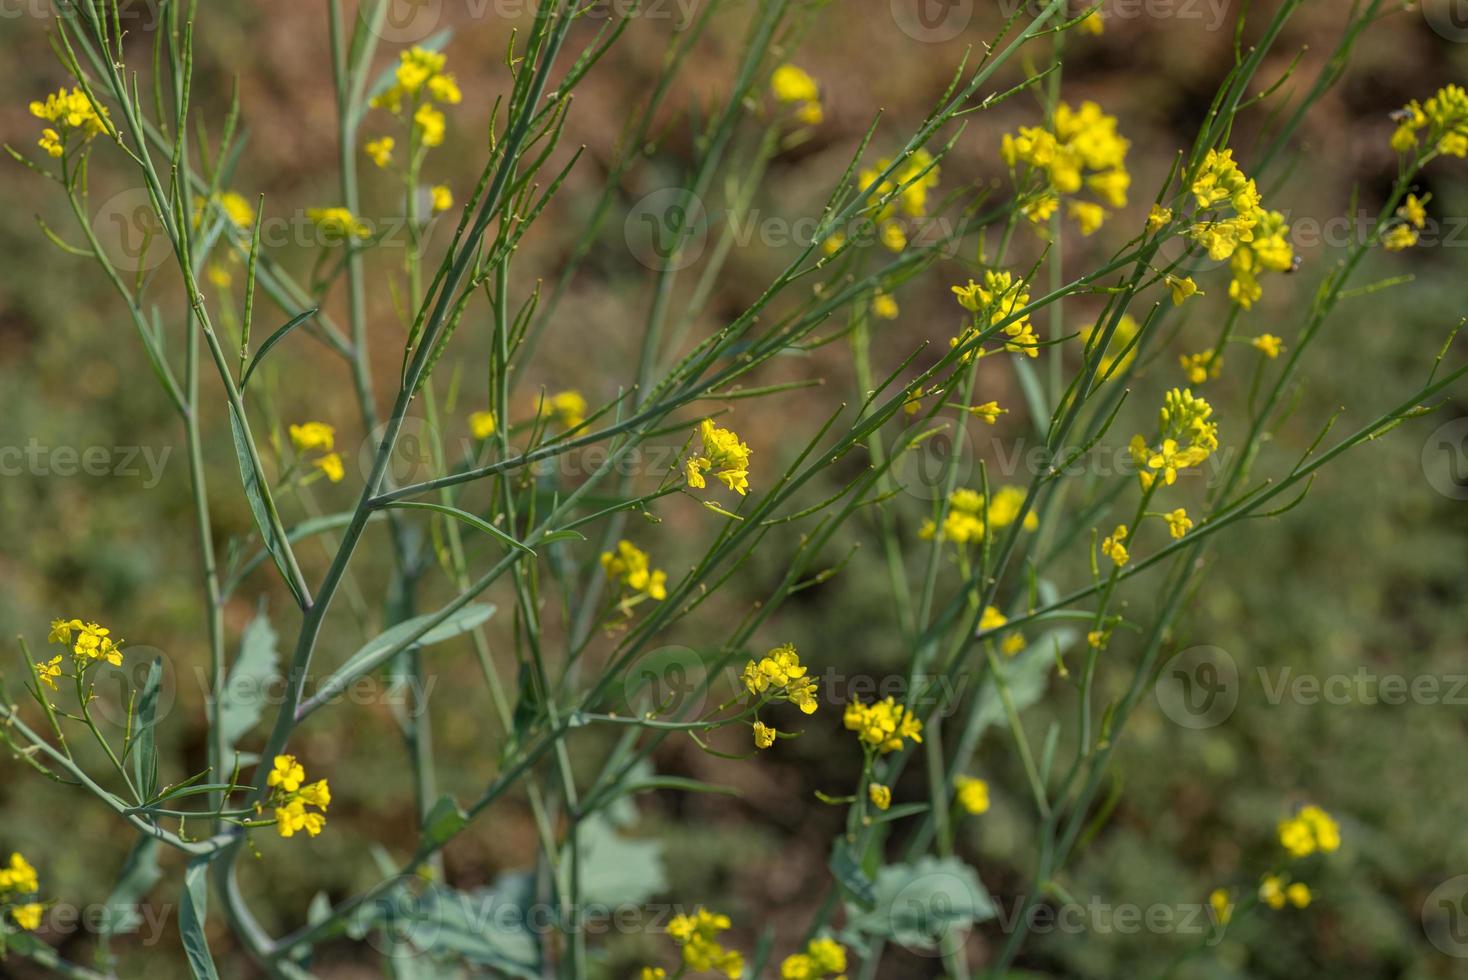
(445, 820)
(140, 872)
(243, 699)
(377, 650)
(478, 523)
(193, 909)
(274, 339)
(144, 749)
(261, 504)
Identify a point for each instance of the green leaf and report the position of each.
(850, 875)
(1027, 675)
(193, 909)
(478, 523)
(274, 339)
(144, 749)
(377, 650)
(140, 872)
(261, 504)
(926, 905)
(617, 869)
(243, 701)
(445, 820)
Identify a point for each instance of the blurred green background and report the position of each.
(1369, 574)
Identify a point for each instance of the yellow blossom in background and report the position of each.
(1182, 289)
(893, 238)
(1092, 23)
(443, 198)
(991, 619)
(233, 205)
(431, 125)
(882, 725)
(914, 402)
(1440, 124)
(28, 916)
(1088, 216)
(566, 407)
(482, 425)
(1399, 238)
(1222, 906)
(631, 567)
(19, 876)
(989, 412)
(697, 935)
(721, 454)
(1178, 522)
(884, 307)
(419, 72)
(881, 796)
(1310, 830)
(338, 224)
(313, 437)
(764, 735)
(1414, 210)
(972, 794)
(1274, 892)
(822, 958)
(1121, 351)
(1158, 218)
(1267, 344)
(792, 85)
(331, 466)
(1012, 644)
(1114, 546)
(969, 515)
(653, 973)
(218, 276)
(71, 114)
(380, 150)
(1201, 366)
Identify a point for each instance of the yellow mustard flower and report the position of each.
(1414, 211)
(19, 877)
(1309, 831)
(1222, 906)
(780, 676)
(721, 454)
(697, 935)
(764, 735)
(1081, 151)
(1114, 546)
(1182, 289)
(28, 916)
(1201, 366)
(972, 794)
(1267, 344)
(882, 725)
(998, 300)
(49, 671)
(338, 225)
(443, 198)
(1440, 124)
(72, 115)
(331, 465)
(1186, 437)
(1158, 218)
(566, 407)
(1088, 216)
(1399, 238)
(380, 150)
(1012, 644)
(88, 641)
(631, 567)
(884, 307)
(291, 795)
(881, 796)
(313, 437)
(482, 425)
(989, 412)
(1178, 522)
(991, 619)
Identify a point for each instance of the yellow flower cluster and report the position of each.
(880, 795)
(1309, 831)
(779, 676)
(89, 642)
(793, 86)
(1276, 890)
(319, 438)
(915, 177)
(482, 425)
(1201, 366)
(631, 566)
(420, 82)
(1114, 546)
(721, 454)
(968, 518)
(972, 794)
(1082, 151)
(71, 114)
(290, 795)
(698, 934)
(19, 884)
(338, 225)
(1413, 218)
(822, 958)
(998, 299)
(1252, 239)
(568, 408)
(882, 725)
(1186, 437)
(1444, 117)
(232, 204)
